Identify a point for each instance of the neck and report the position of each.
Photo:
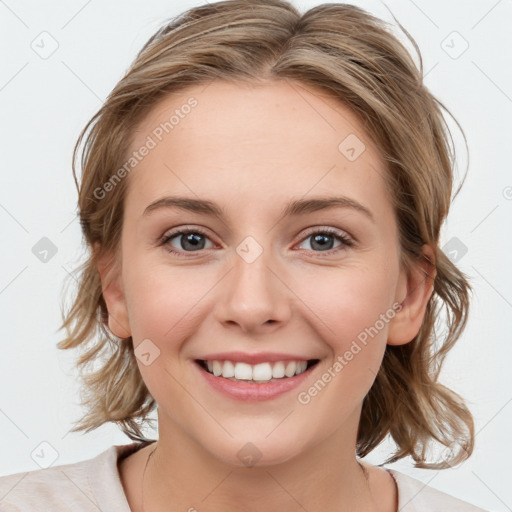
(181, 475)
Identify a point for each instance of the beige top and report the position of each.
(94, 485)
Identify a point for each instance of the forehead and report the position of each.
(230, 139)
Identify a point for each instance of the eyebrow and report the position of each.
(294, 208)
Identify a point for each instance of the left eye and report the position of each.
(323, 240)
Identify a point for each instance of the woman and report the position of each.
(262, 194)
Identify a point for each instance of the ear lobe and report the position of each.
(419, 288)
(113, 294)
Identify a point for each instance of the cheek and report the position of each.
(349, 307)
(163, 301)
(347, 302)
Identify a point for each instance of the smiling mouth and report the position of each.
(261, 373)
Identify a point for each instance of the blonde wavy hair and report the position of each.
(355, 57)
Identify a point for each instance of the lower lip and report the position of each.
(254, 392)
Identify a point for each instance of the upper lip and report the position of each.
(260, 357)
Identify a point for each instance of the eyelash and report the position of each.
(345, 240)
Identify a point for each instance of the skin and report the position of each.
(251, 149)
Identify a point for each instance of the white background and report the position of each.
(45, 103)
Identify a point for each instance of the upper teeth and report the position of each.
(261, 372)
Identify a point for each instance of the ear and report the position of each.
(113, 294)
(413, 292)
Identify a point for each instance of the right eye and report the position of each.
(188, 240)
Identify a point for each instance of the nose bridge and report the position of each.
(253, 295)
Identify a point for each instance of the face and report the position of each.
(247, 262)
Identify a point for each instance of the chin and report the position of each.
(242, 452)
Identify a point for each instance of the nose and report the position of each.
(254, 297)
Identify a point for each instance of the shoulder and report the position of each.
(88, 485)
(415, 496)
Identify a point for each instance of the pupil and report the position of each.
(321, 240)
(193, 239)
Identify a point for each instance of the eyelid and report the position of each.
(312, 229)
(184, 229)
(327, 229)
